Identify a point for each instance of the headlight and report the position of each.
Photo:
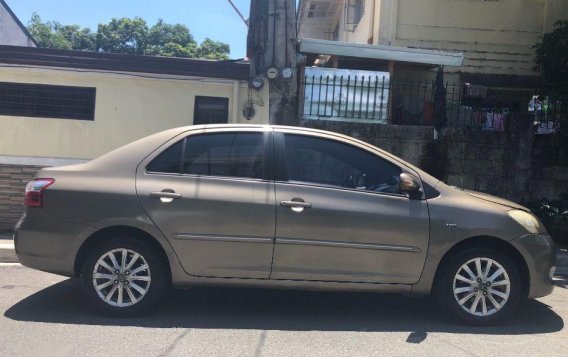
(528, 221)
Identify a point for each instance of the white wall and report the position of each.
(128, 107)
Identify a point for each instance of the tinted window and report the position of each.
(231, 154)
(331, 163)
(169, 161)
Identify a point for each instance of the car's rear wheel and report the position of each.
(124, 277)
(479, 286)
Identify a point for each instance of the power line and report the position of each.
(239, 13)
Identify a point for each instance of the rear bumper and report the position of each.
(52, 249)
(539, 252)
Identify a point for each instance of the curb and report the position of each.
(7, 252)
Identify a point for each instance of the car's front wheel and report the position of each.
(479, 286)
(123, 277)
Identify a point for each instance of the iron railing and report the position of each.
(378, 99)
(346, 97)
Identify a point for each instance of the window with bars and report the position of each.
(211, 110)
(47, 101)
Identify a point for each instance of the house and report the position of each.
(12, 31)
(494, 36)
(61, 107)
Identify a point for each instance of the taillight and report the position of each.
(34, 191)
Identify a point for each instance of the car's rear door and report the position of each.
(340, 216)
(212, 195)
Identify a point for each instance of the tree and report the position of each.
(552, 60)
(210, 49)
(171, 40)
(129, 36)
(46, 35)
(77, 37)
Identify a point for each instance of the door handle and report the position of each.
(296, 204)
(293, 204)
(166, 196)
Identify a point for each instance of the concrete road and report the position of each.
(43, 314)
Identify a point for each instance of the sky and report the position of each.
(215, 19)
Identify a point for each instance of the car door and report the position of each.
(340, 216)
(210, 195)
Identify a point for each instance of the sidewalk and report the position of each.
(8, 255)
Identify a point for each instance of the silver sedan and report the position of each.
(268, 206)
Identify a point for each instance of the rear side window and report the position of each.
(168, 162)
(224, 154)
(331, 163)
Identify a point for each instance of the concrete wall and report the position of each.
(128, 107)
(10, 31)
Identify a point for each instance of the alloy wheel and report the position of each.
(481, 286)
(121, 277)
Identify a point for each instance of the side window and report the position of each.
(225, 154)
(169, 161)
(331, 163)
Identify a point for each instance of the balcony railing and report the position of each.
(372, 97)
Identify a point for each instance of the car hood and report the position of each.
(497, 200)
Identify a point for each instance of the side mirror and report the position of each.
(410, 185)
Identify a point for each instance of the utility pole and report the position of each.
(272, 50)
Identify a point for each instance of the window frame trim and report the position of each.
(267, 143)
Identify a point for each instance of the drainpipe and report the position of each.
(235, 102)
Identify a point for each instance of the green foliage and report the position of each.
(128, 36)
(210, 49)
(552, 59)
(46, 35)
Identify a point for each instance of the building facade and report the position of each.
(496, 36)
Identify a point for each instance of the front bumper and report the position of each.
(539, 252)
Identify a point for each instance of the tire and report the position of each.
(496, 299)
(139, 284)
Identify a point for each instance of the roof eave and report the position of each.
(379, 52)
